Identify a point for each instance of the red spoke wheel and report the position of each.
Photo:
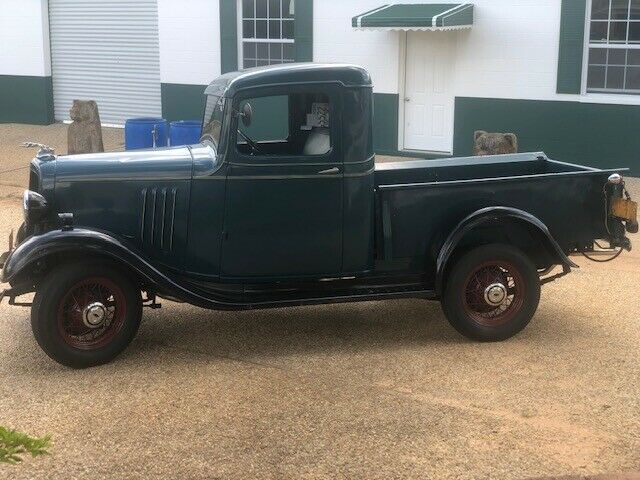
(85, 314)
(491, 293)
(92, 313)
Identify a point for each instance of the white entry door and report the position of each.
(429, 99)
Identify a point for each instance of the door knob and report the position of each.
(329, 171)
(407, 99)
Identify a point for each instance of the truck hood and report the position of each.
(173, 163)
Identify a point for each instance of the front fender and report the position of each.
(87, 242)
(485, 215)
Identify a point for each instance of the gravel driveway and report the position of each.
(370, 390)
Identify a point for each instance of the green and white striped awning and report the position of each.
(416, 16)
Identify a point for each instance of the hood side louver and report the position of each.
(157, 218)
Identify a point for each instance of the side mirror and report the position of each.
(246, 114)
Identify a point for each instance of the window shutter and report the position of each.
(228, 35)
(304, 30)
(571, 50)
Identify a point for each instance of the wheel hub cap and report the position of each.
(94, 314)
(495, 294)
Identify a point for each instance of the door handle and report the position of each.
(407, 99)
(329, 171)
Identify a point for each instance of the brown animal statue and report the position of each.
(85, 133)
(494, 143)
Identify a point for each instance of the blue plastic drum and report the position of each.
(145, 133)
(185, 132)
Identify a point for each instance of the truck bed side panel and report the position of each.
(422, 216)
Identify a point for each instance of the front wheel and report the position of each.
(491, 293)
(85, 314)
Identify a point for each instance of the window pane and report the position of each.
(633, 57)
(615, 77)
(261, 8)
(247, 29)
(595, 77)
(247, 8)
(620, 9)
(597, 56)
(634, 32)
(600, 9)
(633, 78)
(270, 120)
(263, 51)
(274, 8)
(598, 32)
(617, 57)
(296, 125)
(274, 29)
(288, 51)
(287, 29)
(261, 29)
(618, 32)
(247, 63)
(635, 9)
(249, 50)
(275, 52)
(288, 8)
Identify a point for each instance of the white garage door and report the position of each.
(107, 51)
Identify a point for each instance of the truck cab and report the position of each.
(294, 169)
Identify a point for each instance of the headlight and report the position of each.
(34, 206)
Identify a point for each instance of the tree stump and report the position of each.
(85, 132)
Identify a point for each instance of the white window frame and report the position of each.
(242, 40)
(605, 95)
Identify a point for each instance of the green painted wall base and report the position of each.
(385, 123)
(26, 99)
(182, 102)
(599, 135)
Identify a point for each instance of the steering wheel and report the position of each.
(251, 143)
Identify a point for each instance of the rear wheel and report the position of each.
(85, 315)
(491, 293)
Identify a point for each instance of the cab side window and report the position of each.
(298, 124)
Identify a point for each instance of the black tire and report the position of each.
(479, 280)
(57, 313)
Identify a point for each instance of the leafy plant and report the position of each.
(13, 445)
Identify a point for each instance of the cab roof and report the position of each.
(230, 83)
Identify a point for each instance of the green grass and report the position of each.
(14, 445)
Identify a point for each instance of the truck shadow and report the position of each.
(328, 328)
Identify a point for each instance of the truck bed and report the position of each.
(471, 168)
(419, 201)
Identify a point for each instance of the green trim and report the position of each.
(303, 26)
(599, 135)
(228, 36)
(182, 102)
(385, 122)
(571, 50)
(26, 99)
(424, 15)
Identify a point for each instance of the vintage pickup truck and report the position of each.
(282, 204)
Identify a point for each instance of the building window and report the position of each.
(614, 47)
(267, 32)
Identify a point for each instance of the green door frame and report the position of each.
(229, 35)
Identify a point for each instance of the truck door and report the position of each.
(284, 196)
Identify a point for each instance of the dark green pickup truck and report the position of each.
(282, 204)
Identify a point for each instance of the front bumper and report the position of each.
(4, 256)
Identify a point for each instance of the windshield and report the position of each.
(213, 117)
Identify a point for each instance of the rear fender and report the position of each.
(490, 214)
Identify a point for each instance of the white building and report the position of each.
(564, 75)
